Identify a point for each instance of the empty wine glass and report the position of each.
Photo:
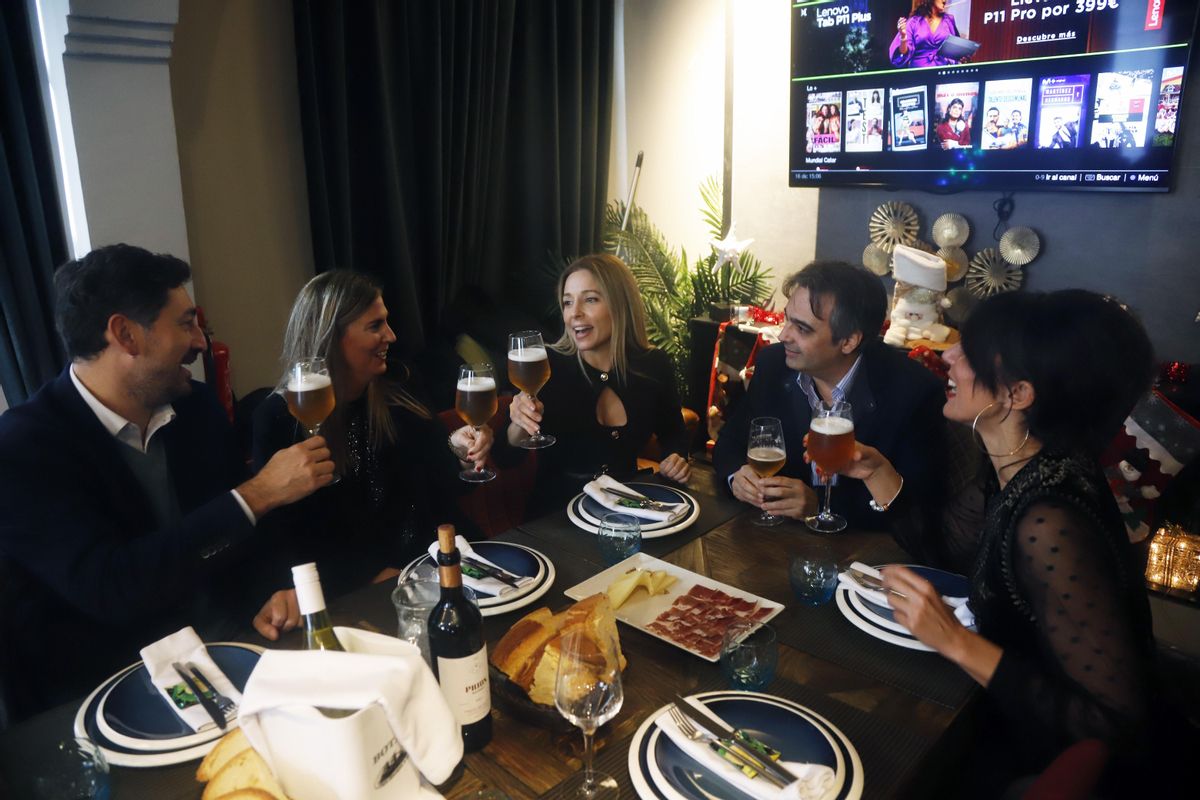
(587, 691)
(830, 446)
(766, 454)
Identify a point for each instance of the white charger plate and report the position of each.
(582, 518)
(491, 606)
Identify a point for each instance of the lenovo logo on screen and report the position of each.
(1154, 12)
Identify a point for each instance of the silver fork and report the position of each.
(695, 734)
(224, 704)
(642, 502)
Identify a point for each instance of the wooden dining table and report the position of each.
(905, 711)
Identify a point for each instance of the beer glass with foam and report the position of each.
(766, 454)
(830, 446)
(475, 401)
(528, 370)
(309, 393)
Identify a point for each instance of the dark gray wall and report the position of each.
(1142, 248)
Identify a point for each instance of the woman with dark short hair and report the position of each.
(1064, 645)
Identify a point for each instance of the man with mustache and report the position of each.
(830, 350)
(124, 510)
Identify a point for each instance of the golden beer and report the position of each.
(529, 369)
(766, 461)
(310, 399)
(475, 400)
(831, 443)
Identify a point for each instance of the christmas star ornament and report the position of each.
(729, 249)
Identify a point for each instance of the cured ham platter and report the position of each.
(692, 613)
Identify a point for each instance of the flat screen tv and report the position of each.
(988, 94)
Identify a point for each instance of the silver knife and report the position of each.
(492, 572)
(206, 702)
(644, 502)
(732, 740)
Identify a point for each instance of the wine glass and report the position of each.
(587, 691)
(766, 454)
(309, 393)
(830, 446)
(528, 370)
(475, 401)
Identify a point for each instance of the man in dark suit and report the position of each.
(830, 350)
(124, 510)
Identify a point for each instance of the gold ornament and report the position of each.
(951, 230)
(1020, 245)
(893, 223)
(876, 260)
(956, 262)
(990, 274)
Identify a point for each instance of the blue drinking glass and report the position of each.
(813, 574)
(749, 655)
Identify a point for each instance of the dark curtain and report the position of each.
(32, 242)
(454, 144)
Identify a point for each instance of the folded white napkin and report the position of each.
(486, 585)
(375, 670)
(962, 612)
(815, 780)
(595, 490)
(184, 646)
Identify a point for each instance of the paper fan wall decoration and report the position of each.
(956, 262)
(990, 274)
(951, 230)
(893, 223)
(1020, 245)
(876, 260)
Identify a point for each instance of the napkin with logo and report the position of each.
(595, 490)
(399, 720)
(814, 780)
(184, 647)
(485, 585)
(959, 604)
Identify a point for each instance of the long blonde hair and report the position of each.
(323, 309)
(619, 289)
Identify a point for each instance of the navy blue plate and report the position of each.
(948, 584)
(512, 558)
(798, 735)
(136, 708)
(663, 494)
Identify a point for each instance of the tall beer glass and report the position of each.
(475, 401)
(528, 370)
(766, 454)
(830, 446)
(309, 393)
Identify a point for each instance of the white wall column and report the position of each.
(116, 69)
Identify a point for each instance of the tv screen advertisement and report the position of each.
(988, 94)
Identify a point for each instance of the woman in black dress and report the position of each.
(609, 390)
(399, 475)
(1064, 645)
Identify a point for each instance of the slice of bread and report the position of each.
(524, 640)
(246, 770)
(226, 748)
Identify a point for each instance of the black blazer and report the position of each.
(897, 408)
(88, 576)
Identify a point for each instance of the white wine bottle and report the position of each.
(318, 629)
(457, 649)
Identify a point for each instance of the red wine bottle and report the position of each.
(457, 648)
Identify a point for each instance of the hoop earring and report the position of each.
(979, 439)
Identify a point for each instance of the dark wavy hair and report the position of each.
(921, 8)
(1088, 358)
(955, 102)
(116, 279)
(859, 300)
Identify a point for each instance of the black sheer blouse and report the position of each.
(1054, 583)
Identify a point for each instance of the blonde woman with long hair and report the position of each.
(398, 472)
(609, 389)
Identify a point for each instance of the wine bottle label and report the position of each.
(465, 686)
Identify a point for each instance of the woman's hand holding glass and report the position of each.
(475, 444)
(525, 413)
